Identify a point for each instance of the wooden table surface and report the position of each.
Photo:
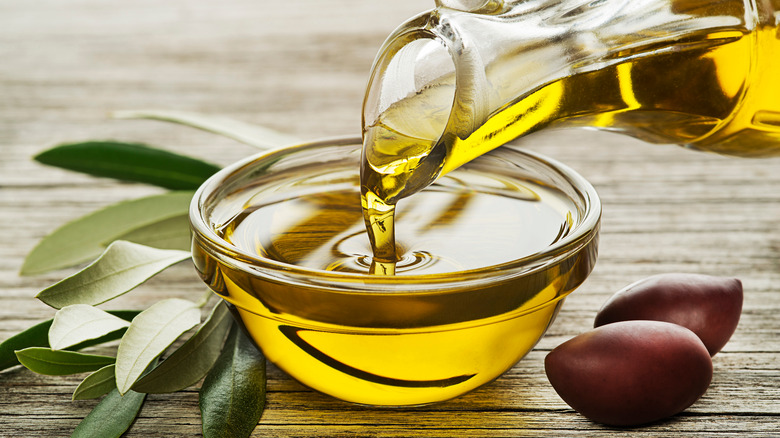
(301, 67)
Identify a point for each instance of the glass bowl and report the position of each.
(391, 340)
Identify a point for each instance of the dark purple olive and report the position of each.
(709, 306)
(630, 373)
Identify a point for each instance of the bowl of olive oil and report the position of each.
(485, 258)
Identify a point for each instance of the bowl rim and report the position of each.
(580, 237)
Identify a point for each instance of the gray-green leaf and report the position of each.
(232, 397)
(130, 162)
(111, 417)
(60, 362)
(83, 239)
(190, 362)
(38, 336)
(96, 384)
(150, 333)
(122, 267)
(171, 233)
(80, 322)
(247, 133)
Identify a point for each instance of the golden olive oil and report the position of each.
(717, 90)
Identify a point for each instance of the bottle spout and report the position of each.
(411, 87)
(425, 85)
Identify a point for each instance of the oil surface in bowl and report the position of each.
(466, 221)
(403, 339)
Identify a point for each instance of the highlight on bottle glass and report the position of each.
(485, 257)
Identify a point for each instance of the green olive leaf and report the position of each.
(60, 362)
(96, 384)
(150, 333)
(38, 336)
(122, 267)
(190, 362)
(130, 162)
(81, 322)
(170, 233)
(35, 336)
(232, 397)
(111, 417)
(83, 239)
(246, 133)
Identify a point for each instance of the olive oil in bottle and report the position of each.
(701, 74)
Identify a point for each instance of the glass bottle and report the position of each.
(470, 75)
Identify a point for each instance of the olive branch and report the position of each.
(128, 243)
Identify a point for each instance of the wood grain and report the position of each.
(301, 67)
